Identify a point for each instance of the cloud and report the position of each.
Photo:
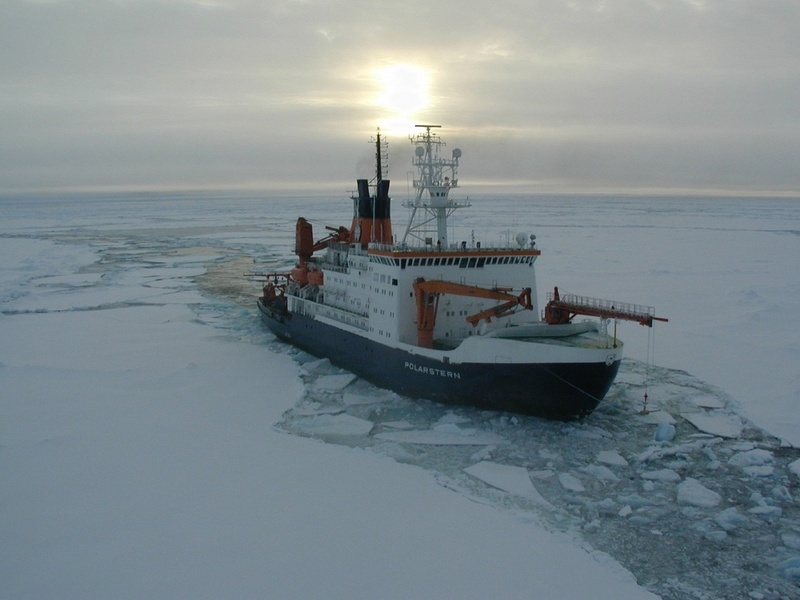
(591, 95)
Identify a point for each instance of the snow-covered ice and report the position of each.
(665, 432)
(145, 413)
(334, 425)
(571, 482)
(509, 478)
(691, 491)
(716, 423)
(660, 475)
(611, 457)
(442, 438)
(334, 383)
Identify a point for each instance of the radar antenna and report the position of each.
(436, 176)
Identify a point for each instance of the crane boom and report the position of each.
(561, 309)
(427, 294)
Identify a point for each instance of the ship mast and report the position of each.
(381, 157)
(436, 176)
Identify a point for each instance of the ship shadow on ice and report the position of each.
(690, 497)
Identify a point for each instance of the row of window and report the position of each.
(464, 262)
(376, 289)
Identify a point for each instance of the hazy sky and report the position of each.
(547, 95)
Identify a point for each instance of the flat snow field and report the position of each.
(157, 442)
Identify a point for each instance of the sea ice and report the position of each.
(334, 425)
(791, 540)
(352, 399)
(707, 401)
(590, 432)
(509, 478)
(661, 475)
(334, 383)
(634, 500)
(790, 568)
(393, 450)
(611, 457)
(782, 494)
(600, 472)
(730, 519)
(449, 427)
(752, 458)
(720, 424)
(442, 438)
(695, 493)
(759, 471)
(570, 482)
(770, 512)
(314, 366)
(404, 425)
(307, 494)
(656, 417)
(451, 418)
(665, 432)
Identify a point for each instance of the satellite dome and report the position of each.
(419, 151)
(456, 152)
(521, 238)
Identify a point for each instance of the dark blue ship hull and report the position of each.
(556, 390)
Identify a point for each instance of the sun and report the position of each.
(404, 89)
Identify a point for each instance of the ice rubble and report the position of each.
(714, 491)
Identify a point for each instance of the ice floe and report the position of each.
(691, 491)
(665, 432)
(600, 472)
(730, 519)
(334, 383)
(335, 425)
(611, 457)
(571, 482)
(660, 475)
(752, 458)
(442, 438)
(509, 478)
(716, 423)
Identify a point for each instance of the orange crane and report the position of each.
(562, 310)
(427, 295)
(305, 245)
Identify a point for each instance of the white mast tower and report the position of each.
(432, 202)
